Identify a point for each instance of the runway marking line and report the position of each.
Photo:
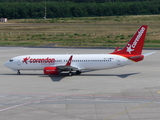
(130, 110)
(79, 95)
(23, 104)
(15, 101)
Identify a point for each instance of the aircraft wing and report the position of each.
(67, 66)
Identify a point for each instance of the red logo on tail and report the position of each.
(135, 45)
(130, 47)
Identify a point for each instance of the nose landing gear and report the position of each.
(18, 72)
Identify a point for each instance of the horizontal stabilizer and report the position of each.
(146, 54)
(116, 49)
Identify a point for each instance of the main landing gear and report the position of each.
(18, 72)
(70, 73)
(78, 72)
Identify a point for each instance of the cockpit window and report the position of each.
(10, 60)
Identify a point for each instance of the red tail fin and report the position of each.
(135, 45)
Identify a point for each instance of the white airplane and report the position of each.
(57, 63)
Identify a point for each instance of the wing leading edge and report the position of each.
(67, 66)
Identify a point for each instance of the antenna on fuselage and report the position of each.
(45, 10)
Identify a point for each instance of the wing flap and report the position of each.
(67, 68)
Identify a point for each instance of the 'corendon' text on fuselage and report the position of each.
(38, 60)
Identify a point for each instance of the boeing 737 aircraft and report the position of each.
(57, 63)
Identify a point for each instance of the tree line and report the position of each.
(76, 1)
(18, 10)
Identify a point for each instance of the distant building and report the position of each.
(3, 19)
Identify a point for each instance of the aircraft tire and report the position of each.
(78, 72)
(70, 73)
(18, 73)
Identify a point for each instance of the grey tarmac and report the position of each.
(126, 93)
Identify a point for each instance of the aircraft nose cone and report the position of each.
(6, 64)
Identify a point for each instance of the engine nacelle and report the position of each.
(51, 71)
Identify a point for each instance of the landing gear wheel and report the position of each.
(18, 73)
(70, 73)
(78, 72)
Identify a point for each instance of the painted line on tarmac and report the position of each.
(15, 101)
(130, 110)
(77, 95)
(23, 104)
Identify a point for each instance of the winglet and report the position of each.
(69, 61)
(135, 45)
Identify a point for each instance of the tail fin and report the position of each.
(135, 45)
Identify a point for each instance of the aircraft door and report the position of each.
(118, 61)
(19, 63)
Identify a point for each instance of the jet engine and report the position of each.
(51, 71)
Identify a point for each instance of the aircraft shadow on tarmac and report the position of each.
(118, 75)
(54, 78)
(22, 74)
(57, 78)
